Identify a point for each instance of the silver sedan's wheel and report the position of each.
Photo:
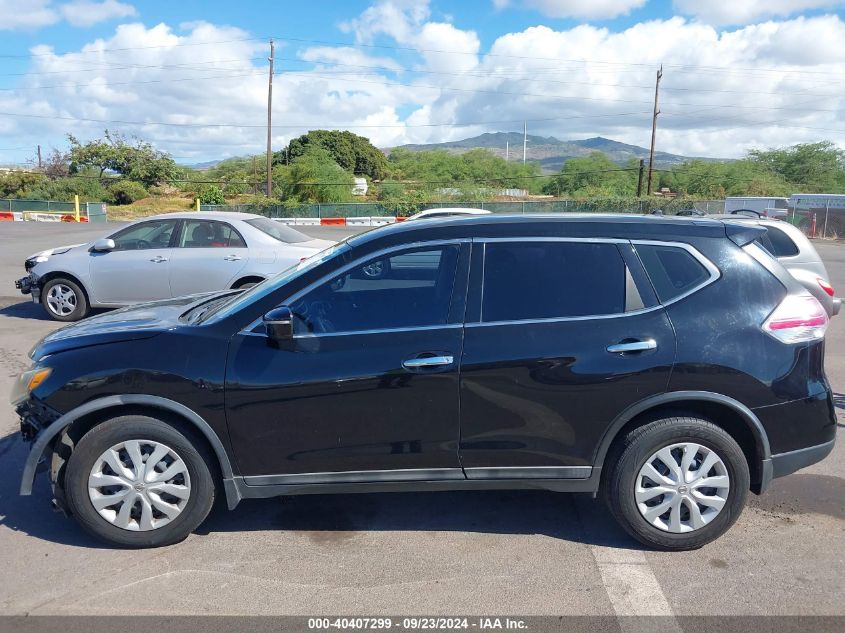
(682, 487)
(61, 300)
(139, 485)
(375, 270)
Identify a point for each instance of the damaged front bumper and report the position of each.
(35, 417)
(30, 285)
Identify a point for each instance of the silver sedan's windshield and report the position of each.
(236, 302)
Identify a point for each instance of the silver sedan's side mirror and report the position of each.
(103, 245)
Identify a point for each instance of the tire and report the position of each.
(626, 482)
(181, 453)
(64, 300)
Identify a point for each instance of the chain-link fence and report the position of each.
(818, 215)
(403, 209)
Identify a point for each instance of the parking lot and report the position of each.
(478, 553)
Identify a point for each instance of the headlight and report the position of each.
(26, 382)
(32, 261)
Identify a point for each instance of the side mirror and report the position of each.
(278, 324)
(103, 245)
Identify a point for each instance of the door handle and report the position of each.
(233, 258)
(431, 361)
(633, 346)
(158, 259)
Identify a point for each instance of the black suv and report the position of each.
(668, 364)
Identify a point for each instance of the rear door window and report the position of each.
(673, 271)
(547, 280)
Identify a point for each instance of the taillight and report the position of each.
(798, 319)
(826, 286)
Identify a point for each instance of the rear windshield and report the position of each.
(278, 231)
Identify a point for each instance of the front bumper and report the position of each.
(30, 285)
(35, 416)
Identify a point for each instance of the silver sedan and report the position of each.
(162, 257)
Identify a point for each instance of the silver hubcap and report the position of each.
(139, 485)
(61, 300)
(682, 487)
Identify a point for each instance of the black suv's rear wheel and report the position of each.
(677, 483)
(135, 481)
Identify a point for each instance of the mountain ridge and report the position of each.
(550, 152)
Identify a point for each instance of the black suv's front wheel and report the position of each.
(677, 483)
(135, 481)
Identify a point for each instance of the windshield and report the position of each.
(278, 231)
(236, 302)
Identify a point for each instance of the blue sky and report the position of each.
(191, 77)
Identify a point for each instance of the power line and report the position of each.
(321, 125)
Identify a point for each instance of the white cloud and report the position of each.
(348, 56)
(722, 12)
(35, 14)
(90, 12)
(724, 90)
(587, 9)
(26, 14)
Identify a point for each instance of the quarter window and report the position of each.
(543, 280)
(672, 270)
(210, 234)
(412, 288)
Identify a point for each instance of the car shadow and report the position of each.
(30, 310)
(24, 310)
(327, 518)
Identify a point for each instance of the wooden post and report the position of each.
(76, 206)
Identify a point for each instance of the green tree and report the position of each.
(813, 167)
(478, 173)
(593, 176)
(211, 194)
(138, 160)
(351, 152)
(313, 177)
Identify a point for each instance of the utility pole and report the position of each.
(507, 151)
(270, 122)
(254, 176)
(39, 157)
(654, 129)
(524, 141)
(640, 178)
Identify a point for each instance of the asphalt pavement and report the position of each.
(417, 553)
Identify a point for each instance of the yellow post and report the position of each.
(198, 204)
(76, 206)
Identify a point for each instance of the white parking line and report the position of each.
(630, 583)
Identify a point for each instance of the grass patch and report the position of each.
(150, 206)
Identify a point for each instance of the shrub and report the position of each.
(127, 192)
(211, 194)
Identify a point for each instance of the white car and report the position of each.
(447, 212)
(161, 257)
